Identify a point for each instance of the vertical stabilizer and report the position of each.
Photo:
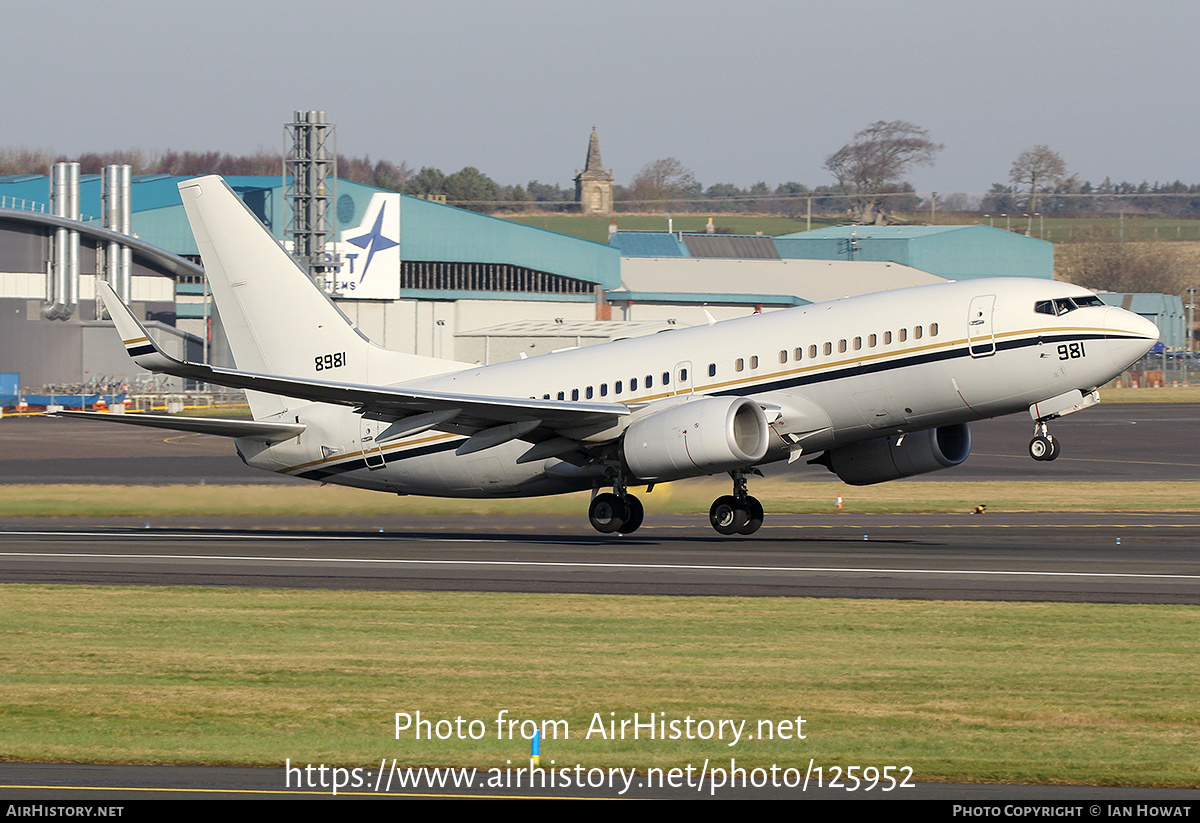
(276, 319)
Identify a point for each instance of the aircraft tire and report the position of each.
(607, 513)
(1040, 447)
(634, 514)
(754, 511)
(726, 516)
(1055, 449)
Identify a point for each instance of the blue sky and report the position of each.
(737, 92)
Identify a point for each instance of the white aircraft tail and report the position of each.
(276, 319)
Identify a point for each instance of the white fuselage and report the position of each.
(828, 374)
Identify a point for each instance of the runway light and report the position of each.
(1118, 541)
(864, 537)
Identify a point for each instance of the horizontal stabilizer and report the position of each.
(266, 432)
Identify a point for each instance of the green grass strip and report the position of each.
(777, 496)
(1013, 692)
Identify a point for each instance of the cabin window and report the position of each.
(574, 394)
(617, 387)
(712, 369)
(545, 397)
(871, 341)
(933, 329)
(841, 345)
(561, 396)
(887, 338)
(633, 384)
(918, 333)
(827, 349)
(666, 378)
(812, 351)
(589, 392)
(783, 356)
(902, 335)
(739, 364)
(683, 375)
(857, 343)
(798, 354)
(649, 380)
(754, 362)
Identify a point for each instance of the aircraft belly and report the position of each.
(442, 473)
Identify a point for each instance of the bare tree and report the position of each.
(876, 160)
(1037, 167)
(663, 180)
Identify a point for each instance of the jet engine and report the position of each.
(896, 456)
(704, 436)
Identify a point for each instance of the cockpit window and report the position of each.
(1062, 305)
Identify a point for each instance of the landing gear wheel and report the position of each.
(1041, 447)
(607, 513)
(1055, 448)
(726, 516)
(633, 515)
(754, 511)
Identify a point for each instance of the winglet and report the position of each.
(138, 343)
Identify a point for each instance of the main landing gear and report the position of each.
(619, 511)
(737, 513)
(1043, 446)
(616, 511)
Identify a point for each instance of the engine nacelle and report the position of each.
(896, 456)
(704, 436)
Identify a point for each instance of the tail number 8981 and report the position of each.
(324, 362)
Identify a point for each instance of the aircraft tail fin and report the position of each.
(277, 320)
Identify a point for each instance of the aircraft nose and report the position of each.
(1129, 336)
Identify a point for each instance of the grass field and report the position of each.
(685, 497)
(595, 227)
(1056, 229)
(1025, 692)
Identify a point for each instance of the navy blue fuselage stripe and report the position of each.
(836, 373)
(361, 463)
(146, 349)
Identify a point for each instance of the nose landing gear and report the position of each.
(1043, 446)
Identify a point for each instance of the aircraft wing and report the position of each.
(461, 413)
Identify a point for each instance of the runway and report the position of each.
(1048, 557)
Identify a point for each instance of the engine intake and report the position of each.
(704, 436)
(890, 458)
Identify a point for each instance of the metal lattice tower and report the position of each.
(310, 183)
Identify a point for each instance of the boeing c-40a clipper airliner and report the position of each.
(874, 388)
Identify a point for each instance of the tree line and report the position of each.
(868, 171)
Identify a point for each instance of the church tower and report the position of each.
(594, 185)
